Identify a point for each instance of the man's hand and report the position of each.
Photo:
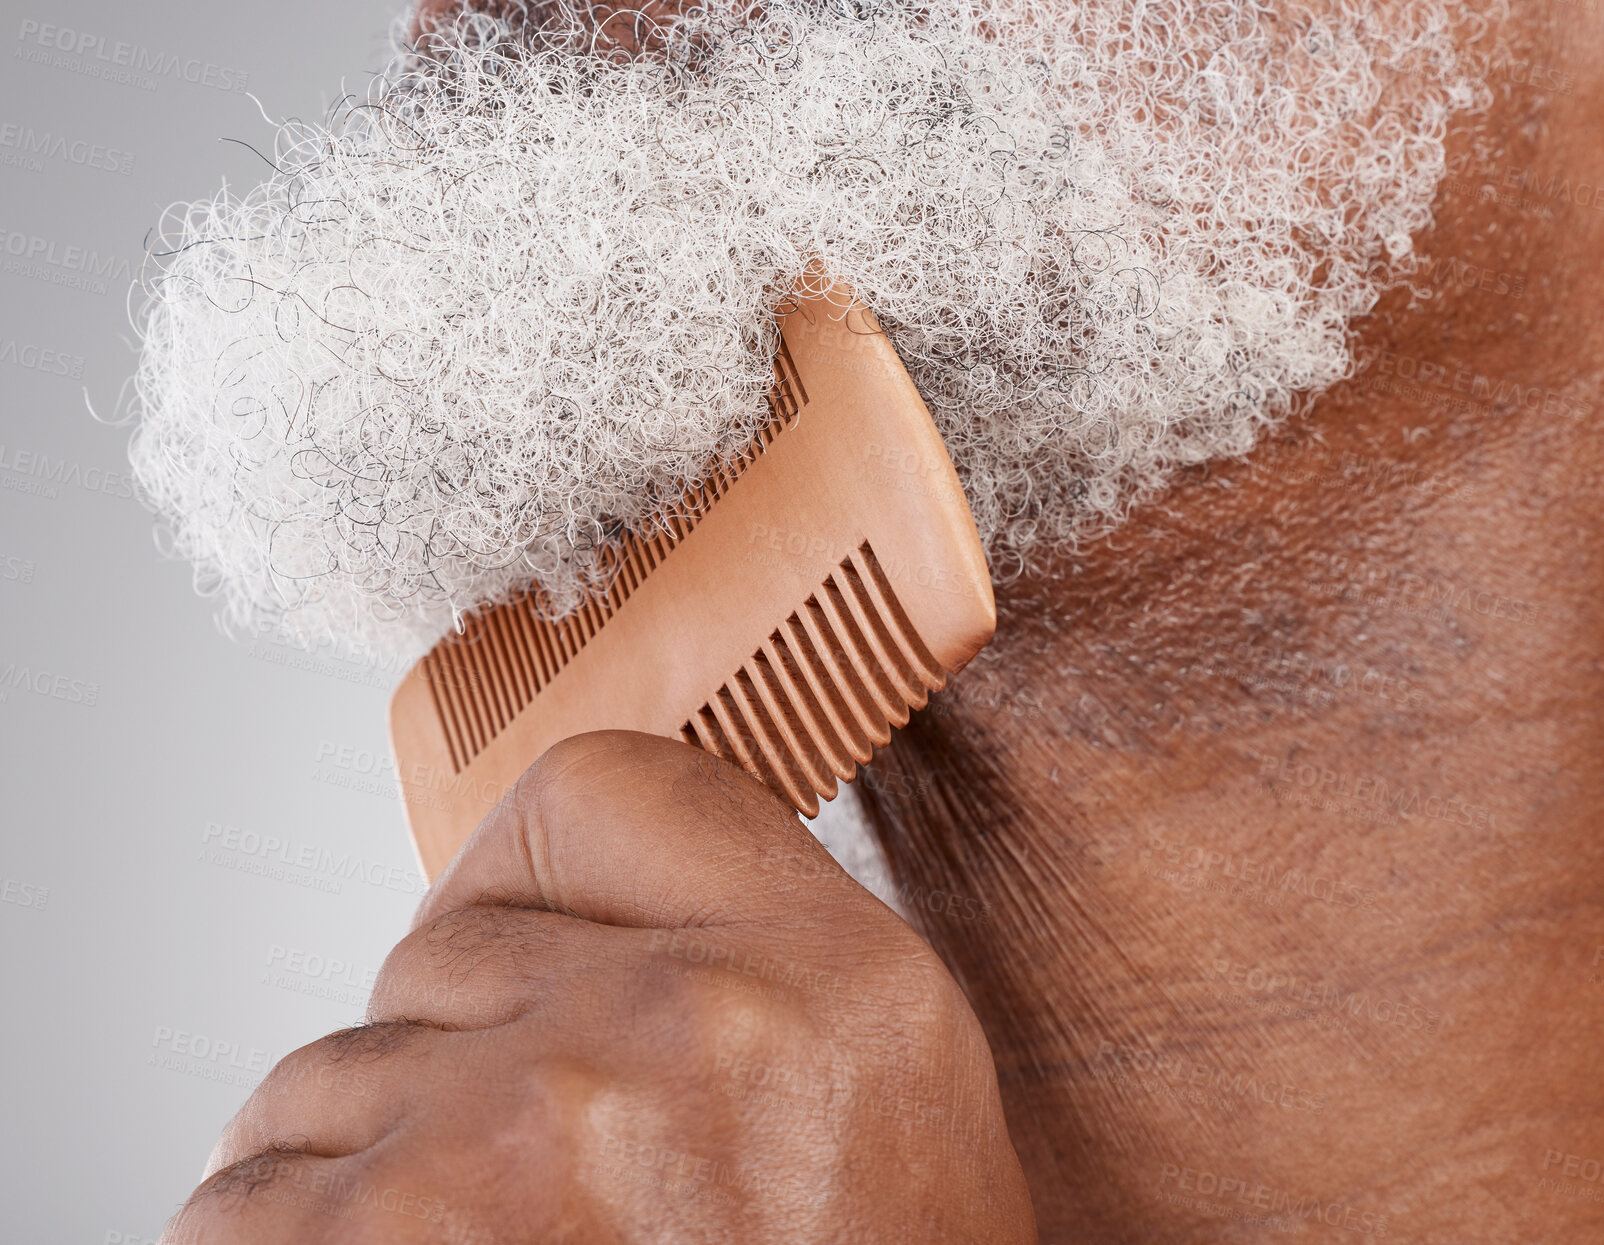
(642, 1004)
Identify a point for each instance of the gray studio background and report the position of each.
(163, 939)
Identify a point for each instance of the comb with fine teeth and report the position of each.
(788, 617)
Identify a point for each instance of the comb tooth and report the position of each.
(894, 661)
(546, 634)
(874, 582)
(523, 618)
(712, 736)
(573, 637)
(633, 565)
(452, 685)
(452, 732)
(596, 614)
(745, 754)
(568, 632)
(519, 692)
(558, 640)
(522, 621)
(777, 751)
(825, 680)
(750, 738)
(830, 650)
(790, 379)
(581, 621)
(617, 590)
(540, 611)
(869, 662)
(505, 651)
(693, 733)
(830, 744)
(493, 691)
(518, 643)
(788, 719)
(472, 691)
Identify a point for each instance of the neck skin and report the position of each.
(1264, 834)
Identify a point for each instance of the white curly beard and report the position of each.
(521, 296)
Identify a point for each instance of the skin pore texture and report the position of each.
(1279, 806)
(1260, 841)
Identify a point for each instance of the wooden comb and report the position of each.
(793, 613)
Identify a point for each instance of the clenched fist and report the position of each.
(642, 1005)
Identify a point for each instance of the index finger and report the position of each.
(629, 829)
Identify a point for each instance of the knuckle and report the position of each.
(704, 1006)
(464, 963)
(918, 988)
(574, 759)
(294, 1074)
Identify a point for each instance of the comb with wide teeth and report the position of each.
(790, 615)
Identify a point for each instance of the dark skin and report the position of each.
(641, 1006)
(1263, 838)
(1369, 652)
